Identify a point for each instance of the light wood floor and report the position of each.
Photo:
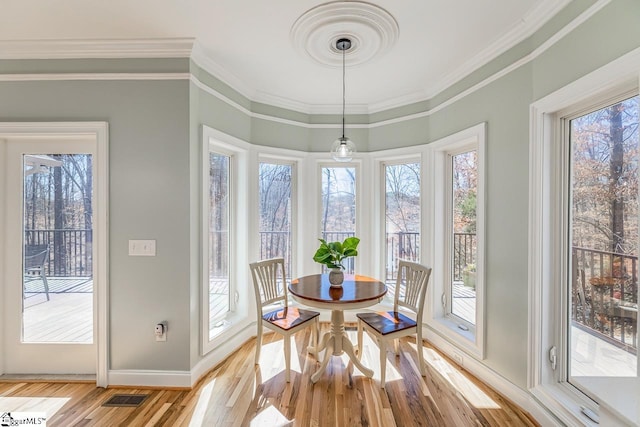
(239, 393)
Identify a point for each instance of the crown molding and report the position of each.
(78, 49)
(203, 60)
(529, 24)
(91, 76)
(190, 48)
(301, 107)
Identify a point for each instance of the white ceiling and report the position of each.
(439, 42)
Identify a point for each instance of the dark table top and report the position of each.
(355, 289)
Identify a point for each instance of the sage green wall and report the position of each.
(148, 199)
(155, 171)
(504, 106)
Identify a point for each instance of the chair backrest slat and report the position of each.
(269, 281)
(411, 286)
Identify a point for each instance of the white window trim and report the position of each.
(435, 218)
(240, 295)
(545, 311)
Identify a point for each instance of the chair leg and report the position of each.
(316, 337)
(359, 339)
(383, 361)
(287, 357)
(423, 370)
(46, 285)
(258, 342)
(396, 347)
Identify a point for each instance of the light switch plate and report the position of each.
(142, 248)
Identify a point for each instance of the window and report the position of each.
(219, 238)
(225, 187)
(457, 237)
(338, 215)
(402, 215)
(274, 200)
(583, 247)
(461, 292)
(601, 290)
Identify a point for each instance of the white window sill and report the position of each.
(618, 398)
(463, 339)
(232, 324)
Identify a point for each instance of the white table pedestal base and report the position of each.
(335, 343)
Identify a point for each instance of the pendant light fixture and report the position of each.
(343, 148)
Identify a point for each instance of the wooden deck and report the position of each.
(66, 317)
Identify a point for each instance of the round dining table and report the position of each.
(356, 292)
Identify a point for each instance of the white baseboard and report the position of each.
(149, 378)
(496, 381)
(182, 379)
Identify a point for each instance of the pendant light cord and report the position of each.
(343, 91)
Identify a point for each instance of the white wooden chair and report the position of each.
(411, 288)
(269, 281)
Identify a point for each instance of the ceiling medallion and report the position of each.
(371, 29)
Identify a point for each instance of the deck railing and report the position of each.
(605, 295)
(401, 245)
(69, 251)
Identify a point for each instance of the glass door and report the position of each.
(49, 277)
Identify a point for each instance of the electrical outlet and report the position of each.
(160, 331)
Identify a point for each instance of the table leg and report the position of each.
(335, 343)
(330, 342)
(347, 346)
(321, 345)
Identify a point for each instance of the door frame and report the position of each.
(100, 131)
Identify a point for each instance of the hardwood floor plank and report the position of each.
(240, 393)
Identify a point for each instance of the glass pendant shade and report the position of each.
(342, 149)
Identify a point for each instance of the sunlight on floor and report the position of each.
(272, 359)
(270, 417)
(476, 397)
(371, 358)
(48, 405)
(197, 419)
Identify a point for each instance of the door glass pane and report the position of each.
(603, 291)
(402, 216)
(464, 249)
(275, 212)
(339, 207)
(219, 239)
(57, 250)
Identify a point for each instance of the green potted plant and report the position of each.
(332, 254)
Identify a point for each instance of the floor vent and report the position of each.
(127, 400)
